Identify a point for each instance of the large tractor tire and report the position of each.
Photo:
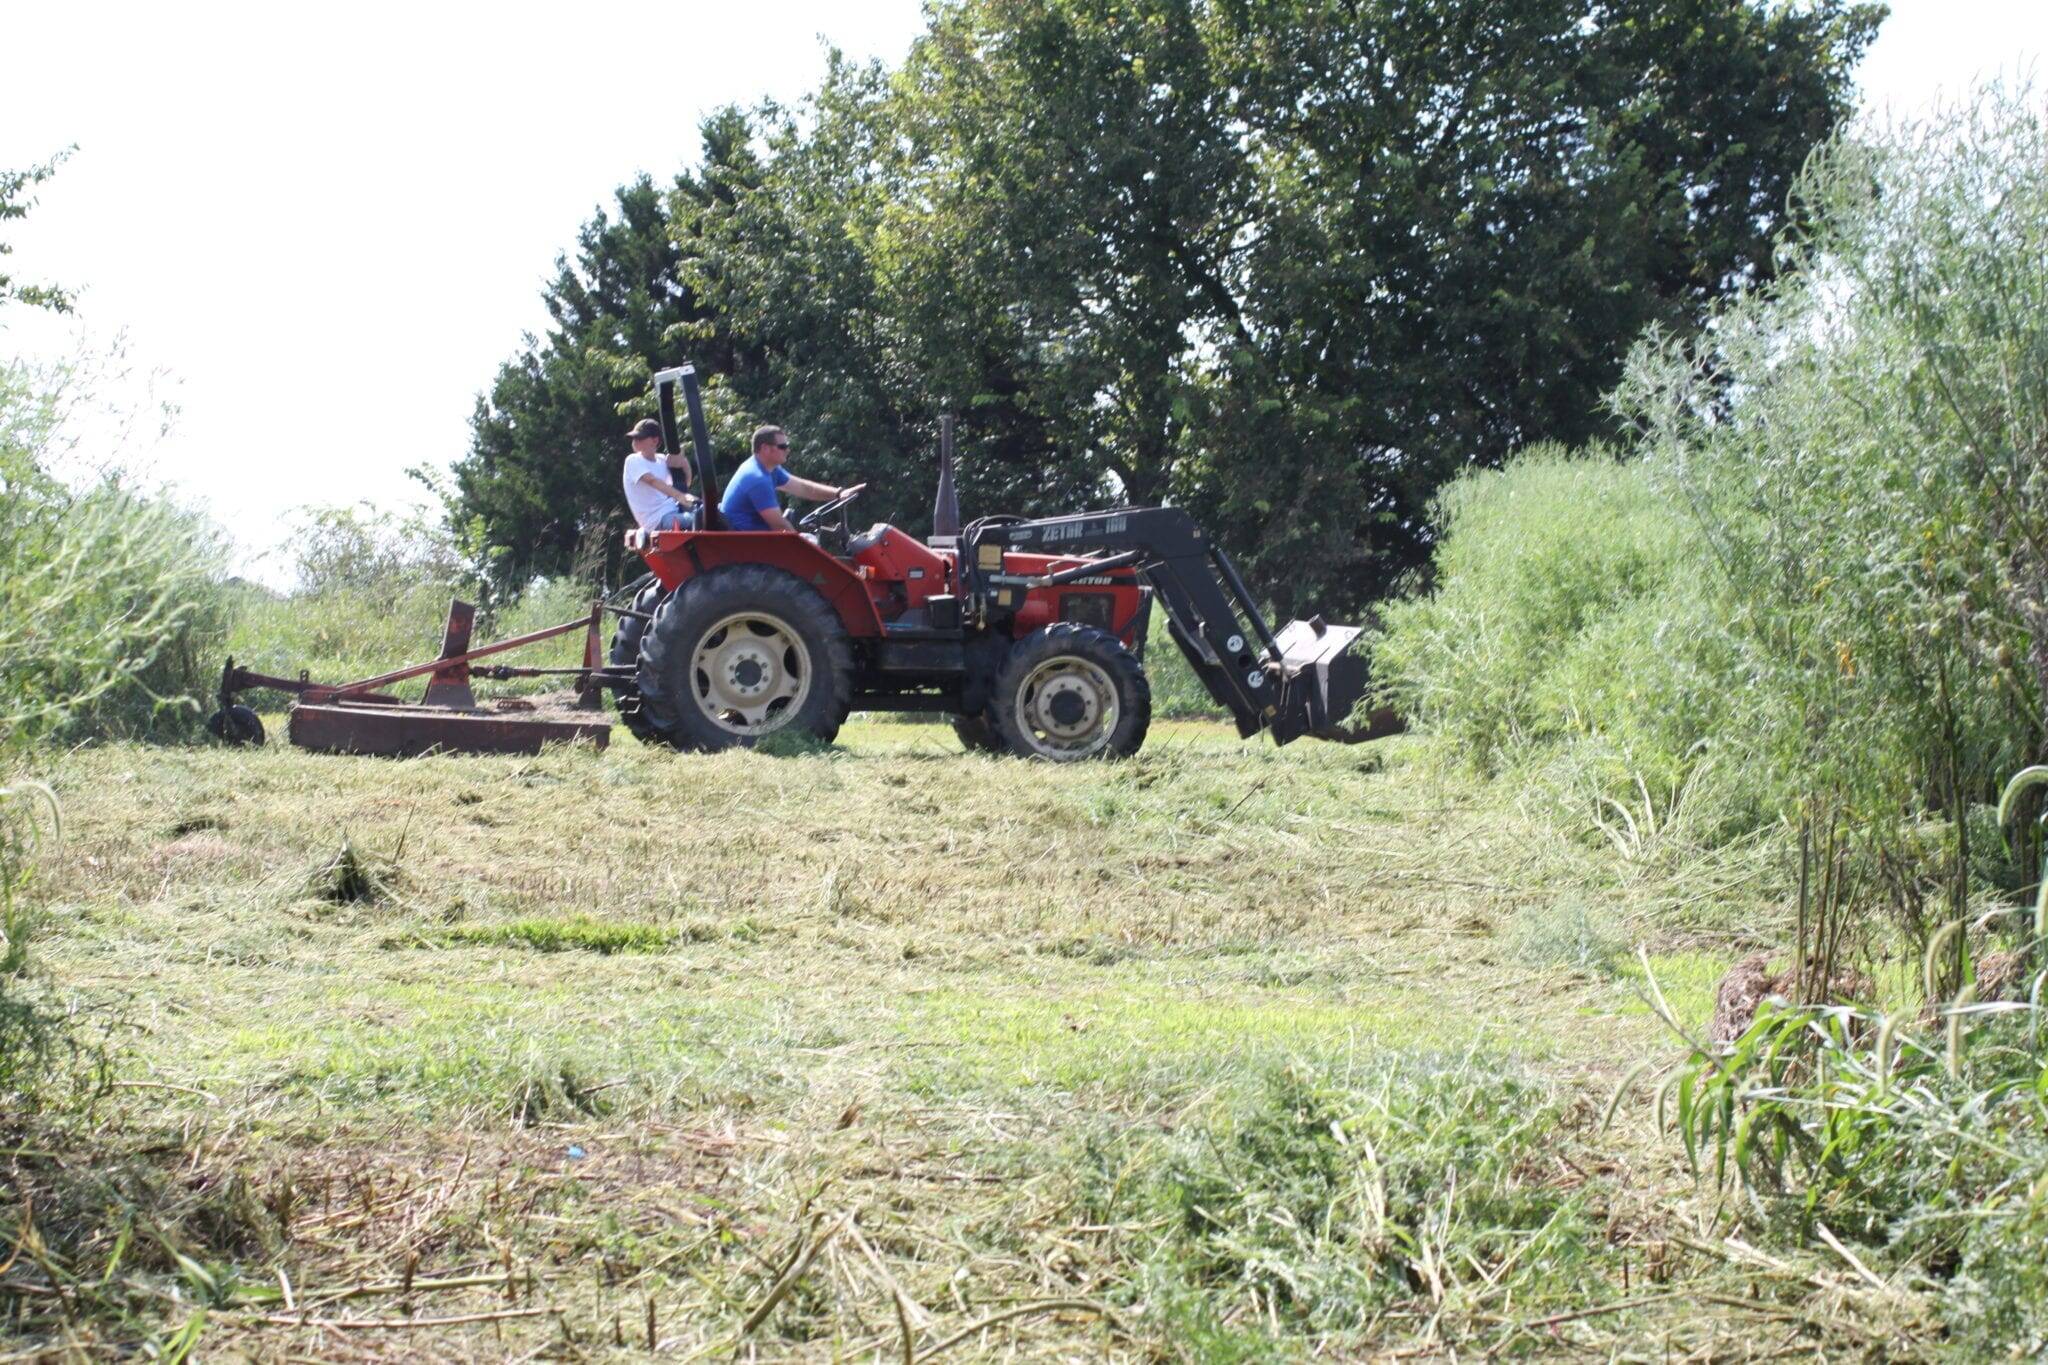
(1070, 692)
(741, 653)
(978, 735)
(626, 654)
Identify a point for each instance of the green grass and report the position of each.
(577, 933)
(1009, 1014)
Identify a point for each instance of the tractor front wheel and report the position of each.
(1070, 692)
(977, 736)
(741, 653)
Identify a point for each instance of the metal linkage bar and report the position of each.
(1083, 570)
(1244, 600)
(500, 672)
(235, 679)
(358, 688)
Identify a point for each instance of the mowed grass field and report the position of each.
(1226, 1052)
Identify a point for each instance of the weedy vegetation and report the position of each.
(1808, 606)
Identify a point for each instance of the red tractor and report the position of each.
(1029, 634)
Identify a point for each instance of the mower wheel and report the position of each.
(1070, 692)
(740, 653)
(236, 725)
(978, 736)
(626, 654)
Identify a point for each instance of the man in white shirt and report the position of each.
(651, 491)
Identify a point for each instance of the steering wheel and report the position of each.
(811, 519)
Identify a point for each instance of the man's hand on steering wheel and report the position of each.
(841, 497)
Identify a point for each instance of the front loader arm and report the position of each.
(1299, 682)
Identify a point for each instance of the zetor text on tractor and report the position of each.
(1028, 633)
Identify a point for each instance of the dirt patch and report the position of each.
(1750, 982)
(563, 705)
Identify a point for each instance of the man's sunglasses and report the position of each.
(780, 445)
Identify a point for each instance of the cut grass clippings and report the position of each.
(569, 1046)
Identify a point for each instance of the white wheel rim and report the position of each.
(750, 673)
(1067, 708)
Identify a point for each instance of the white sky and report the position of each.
(327, 226)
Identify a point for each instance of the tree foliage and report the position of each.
(1291, 262)
(16, 200)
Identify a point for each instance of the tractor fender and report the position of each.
(678, 556)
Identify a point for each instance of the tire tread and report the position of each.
(1089, 642)
(806, 610)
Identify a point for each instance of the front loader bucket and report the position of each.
(1322, 681)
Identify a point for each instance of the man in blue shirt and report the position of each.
(749, 503)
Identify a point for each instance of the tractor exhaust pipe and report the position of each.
(946, 507)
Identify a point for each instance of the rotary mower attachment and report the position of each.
(361, 717)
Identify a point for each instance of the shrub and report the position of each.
(372, 595)
(1570, 610)
(1864, 446)
(1825, 571)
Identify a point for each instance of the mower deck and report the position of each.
(362, 718)
(409, 731)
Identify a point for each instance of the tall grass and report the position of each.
(1570, 612)
(110, 606)
(372, 593)
(1923, 1139)
(1177, 694)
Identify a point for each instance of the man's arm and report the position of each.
(817, 492)
(776, 521)
(664, 486)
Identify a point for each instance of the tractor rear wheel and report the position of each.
(1070, 692)
(626, 654)
(741, 653)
